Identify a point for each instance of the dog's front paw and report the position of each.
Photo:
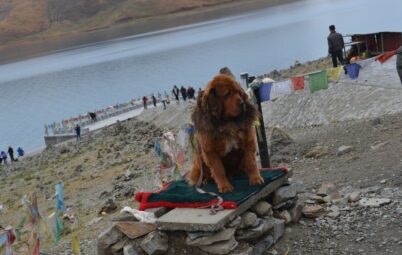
(225, 187)
(256, 180)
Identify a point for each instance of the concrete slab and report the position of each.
(192, 219)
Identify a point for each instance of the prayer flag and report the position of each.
(75, 245)
(353, 70)
(281, 88)
(334, 73)
(60, 197)
(298, 82)
(318, 81)
(385, 56)
(265, 91)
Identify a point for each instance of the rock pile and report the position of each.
(253, 232)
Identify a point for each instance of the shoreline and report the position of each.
(35, 47)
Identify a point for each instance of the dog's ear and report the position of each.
(211, 103)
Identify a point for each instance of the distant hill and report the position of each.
(21, 19)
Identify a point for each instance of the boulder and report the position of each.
(262, 208)
(155, 243)
(263, 245)
(284, 193)
(222, 235)
(248, 219)
(354, 196)
(107, 238)
(135, 229)
(253, 234)
(129, 250)
(296, 212)
(221, 247)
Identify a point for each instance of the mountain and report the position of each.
(26, 19)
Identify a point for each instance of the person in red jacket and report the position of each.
(145, 100)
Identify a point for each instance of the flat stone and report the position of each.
(222, 235)
(155, 243)
(285, 205)
(248, 219)
(354, 196)
(317, 152)
(313, 211)
(284, 193)
(374, 202)
(341, 201)
(193, 219)
(263, 245)
(344, 149)
(278, 229)
(334, 195)
(221, 247)
(107, 238)
(296, 212)
(318, 199)
(379, 145)
(135, 229)
(254, 233)
(326, 189)
(129, 250)
(262, 208)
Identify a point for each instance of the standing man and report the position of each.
(154, 100)
(144, 101)
(78, 132)
(11, 153)
(176, 93)
(399, 62)
(335, 46)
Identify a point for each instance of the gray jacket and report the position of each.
(335, 42)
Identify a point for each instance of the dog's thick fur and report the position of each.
(224, 123)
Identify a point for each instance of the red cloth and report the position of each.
(298, 82)
(385, 56)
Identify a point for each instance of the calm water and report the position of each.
(57, 86)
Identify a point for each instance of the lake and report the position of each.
(64, 84)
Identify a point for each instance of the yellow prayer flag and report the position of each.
(75, 245)
(334, 73)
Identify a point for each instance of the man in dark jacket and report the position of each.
(11, 153)
(399, 62)
(335, 46)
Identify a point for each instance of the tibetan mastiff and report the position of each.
(225, 133)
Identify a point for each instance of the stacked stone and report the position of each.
(253, 232)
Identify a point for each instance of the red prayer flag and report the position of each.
(36, 249)
(385, 56)
(298, 82)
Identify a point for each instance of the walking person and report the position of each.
(11, 153)
(176, 93)
(78, 132)
(183, 92)
(3, 156)
(144, 101)
(335, 46)
(399, 62)
(154, 100)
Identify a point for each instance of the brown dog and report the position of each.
(224, 123)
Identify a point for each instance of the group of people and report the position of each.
(184, 93)
(188, 93)
(10, 152)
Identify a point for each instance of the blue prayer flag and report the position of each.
(60, 197)
(265, 92)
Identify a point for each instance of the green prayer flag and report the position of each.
(318, 81)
